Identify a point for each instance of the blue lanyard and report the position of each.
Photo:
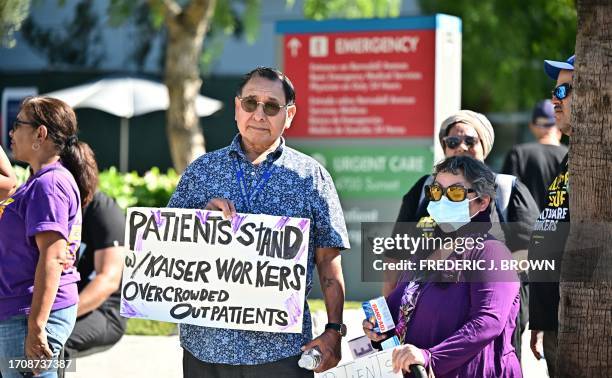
(257, 187)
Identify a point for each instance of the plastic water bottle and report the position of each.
(310, 359)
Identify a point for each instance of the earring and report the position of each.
(35, 146)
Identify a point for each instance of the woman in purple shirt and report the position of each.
(456, 314)
(40, 232)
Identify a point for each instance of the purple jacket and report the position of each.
(467, 326)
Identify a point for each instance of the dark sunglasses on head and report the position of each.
(562, 91)
(455, 193)
(270, 108)
(453, 142)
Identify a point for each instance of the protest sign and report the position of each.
(376, 365)
(192, 266)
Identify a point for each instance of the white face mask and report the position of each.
(449, 215)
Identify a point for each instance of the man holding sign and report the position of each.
(259, 174)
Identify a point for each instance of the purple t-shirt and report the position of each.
(48, 201)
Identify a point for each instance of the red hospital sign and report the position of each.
(362, 84)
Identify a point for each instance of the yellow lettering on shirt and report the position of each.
(4, 204)
(74, 240)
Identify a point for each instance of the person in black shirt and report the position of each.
(99, 325)
(537, 163)
(551, 230)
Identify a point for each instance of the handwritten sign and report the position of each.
(376, 365)
(193, 266)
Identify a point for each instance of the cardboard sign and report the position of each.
(361, 346)
(192, 266)
(377, 365)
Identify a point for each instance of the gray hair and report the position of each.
(475, 172)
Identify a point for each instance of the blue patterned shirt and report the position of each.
(298, 187)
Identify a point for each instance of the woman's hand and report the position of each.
(368, 324)
(37, 347)
(406, 355)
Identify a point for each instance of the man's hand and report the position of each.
(406, 355)
(329, 345)
(536, 343)
(224, 205)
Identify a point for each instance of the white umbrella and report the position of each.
(127, 97)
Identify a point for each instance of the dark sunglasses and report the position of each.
(562, 91)
(453, 142)
(455, 193)
(18, 122)
(270, 108)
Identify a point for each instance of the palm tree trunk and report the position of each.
(585, 312)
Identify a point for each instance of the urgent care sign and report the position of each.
(371, 78)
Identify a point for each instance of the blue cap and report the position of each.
(552, 67)
(543, 114)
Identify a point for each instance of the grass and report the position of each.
(146, 327)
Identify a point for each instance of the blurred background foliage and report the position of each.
(12, 14)
(153, 189)
(504, 44)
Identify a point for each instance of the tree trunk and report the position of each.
(186, 31)
(585, 312)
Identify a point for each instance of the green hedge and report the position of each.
(154, 189)
(21, 173)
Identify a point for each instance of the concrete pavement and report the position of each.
(161, 356)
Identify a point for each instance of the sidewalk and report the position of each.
(161, 356)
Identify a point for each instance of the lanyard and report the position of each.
(257, 186)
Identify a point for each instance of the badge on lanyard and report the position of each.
(249, 196)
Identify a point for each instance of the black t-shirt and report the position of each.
(103, 227)
(535, 165)
(548, 243)
(515, 233)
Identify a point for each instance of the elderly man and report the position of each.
(257, 173)
(551, 229)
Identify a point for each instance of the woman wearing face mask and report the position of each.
(513, 213)
(468, 133)
(458, 321)
(40, 233)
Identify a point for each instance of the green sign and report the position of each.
(373, 172)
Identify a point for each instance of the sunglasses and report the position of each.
(562, 91)
(270, 108)
(453, 142)
(455, 193)
(18, 122)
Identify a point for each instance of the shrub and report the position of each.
(21, 173)
(154, 189)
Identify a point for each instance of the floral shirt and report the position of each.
(297, 186)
